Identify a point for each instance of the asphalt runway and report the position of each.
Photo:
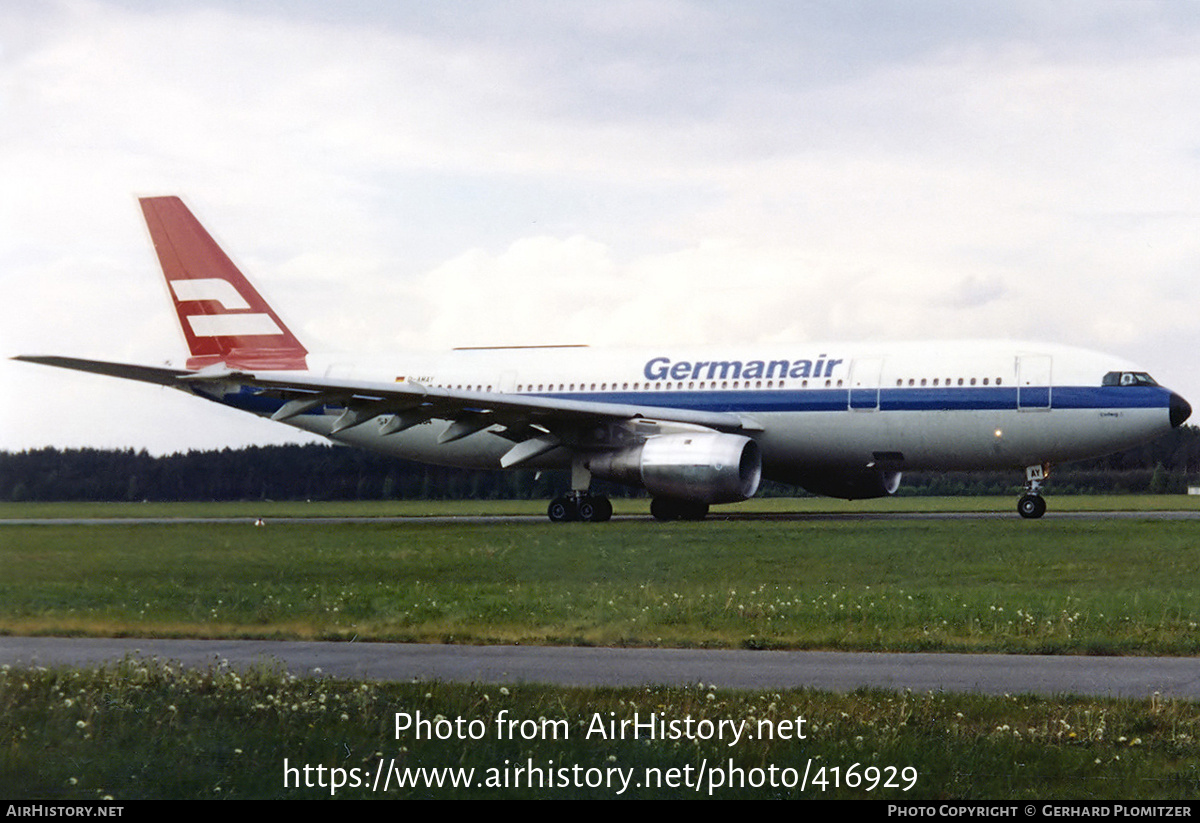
(491, 519)
(1134, 677)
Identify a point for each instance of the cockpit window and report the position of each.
(1128, 378)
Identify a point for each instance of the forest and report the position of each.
(327, 472)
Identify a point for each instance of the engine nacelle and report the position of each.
(851, 485)
(706, 467)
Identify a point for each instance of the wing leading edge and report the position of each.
(535, 424)
(163, 376)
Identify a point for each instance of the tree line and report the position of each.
(327, 472)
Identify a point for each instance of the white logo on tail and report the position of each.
(226, 295)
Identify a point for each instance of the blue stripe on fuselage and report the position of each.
(951, 398)
(966, 398)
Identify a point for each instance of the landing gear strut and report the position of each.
(1032, 505)
(579, 504)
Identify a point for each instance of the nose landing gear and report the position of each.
(1032, 505)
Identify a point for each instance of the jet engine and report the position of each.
(850, 485)
(706, 467)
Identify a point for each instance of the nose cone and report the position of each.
(1181, 410)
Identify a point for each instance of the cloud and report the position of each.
(411, 177)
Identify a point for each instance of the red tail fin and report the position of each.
(223, 317)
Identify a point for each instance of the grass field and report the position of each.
(442, 508)
(1100, 586)
(151, 730)
(1121, 586)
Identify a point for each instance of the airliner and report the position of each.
(691, 427)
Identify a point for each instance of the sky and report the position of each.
(405, 177)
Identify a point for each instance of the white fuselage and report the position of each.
(932, 405)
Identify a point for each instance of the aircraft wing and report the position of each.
(364, 400)
(161, 375)
(535, 424)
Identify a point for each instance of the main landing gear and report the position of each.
(1032, 505)
(579, 504)
(670, 508)
(589, 508)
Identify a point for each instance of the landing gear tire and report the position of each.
(604, 509)
(1031, 506)
(587, 508)
(661, 510)
(562, 510)
(596, 509)
(668, 508)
